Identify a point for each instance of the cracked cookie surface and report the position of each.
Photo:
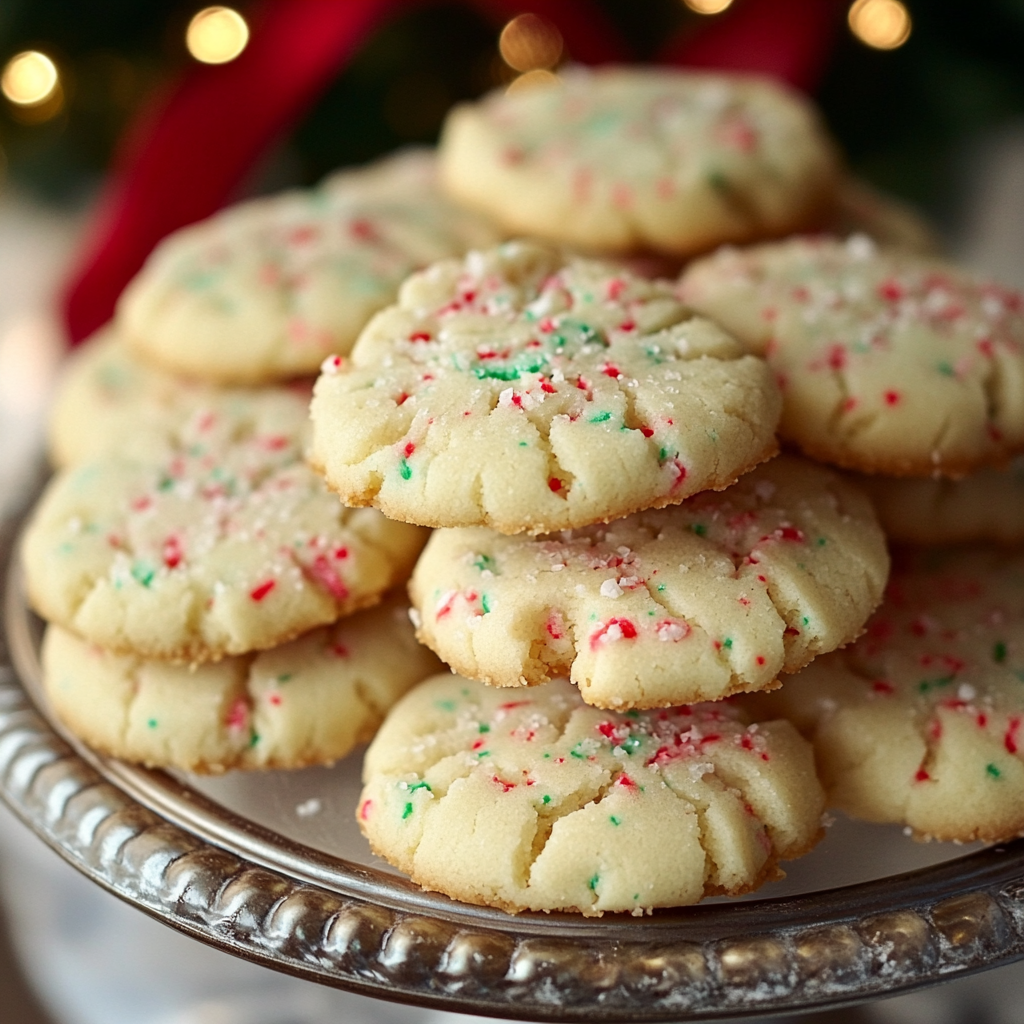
(310, 701)
(920, 721)
(110, 402)
(229, 543)
(544, 803)
(617, 159)
(888, 362)
(267, 288)
(527, 391)
(696, 602)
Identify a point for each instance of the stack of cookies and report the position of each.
(621, 568)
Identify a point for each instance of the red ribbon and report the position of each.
(190, 148)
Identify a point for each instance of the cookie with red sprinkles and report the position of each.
(888, 362)
(712, 597)
(310, 701)
(267, 288)
(526, 390)
(545, 803)
(617, 159)
(921, 721)
(226, 544)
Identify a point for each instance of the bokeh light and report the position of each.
(537, 79)
(529, 43)
(29, 79)
(880, 24)
(216, 35)
(708, 6)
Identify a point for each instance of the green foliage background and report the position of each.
(901, 116)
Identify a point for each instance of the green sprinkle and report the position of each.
(662, 454)
(630, 745)
(485, 604)
(718, 181)
(727, 643)
(545, 799)
(445, 705)
(505, 373)
(143, 573)
(805, 620)
(632, 714)
(546, 754)
(946, 369)
(592, 884)
(484, 753)
(660, 587)
(166, 483)
(993, 771)
(614, 820)
(999, 653)
(601, 417)
(577, 752)
(404, 469)
(284, 677)
(485, 563)
(254, 739)
(408, 810)
(822, 541)
(524, 444)
(152, 723)
(700, 529)
(484, 727)
(933, 684)
(420, 785)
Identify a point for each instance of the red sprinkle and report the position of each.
(555, 484)
(261, 590)
(921, 775)
(172, 552)
(892, 397)
(419, 336)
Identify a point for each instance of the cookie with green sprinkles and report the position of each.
(310, 701)
(109, 401)
(267, 288)
(226, 544)
(617, 159)
(527, 390)
(712, 597)
(545, 803)
(889, 362)
(921, 722)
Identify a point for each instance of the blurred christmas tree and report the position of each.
(900, 114)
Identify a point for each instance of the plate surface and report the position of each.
(272, 867)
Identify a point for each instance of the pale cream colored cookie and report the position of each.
(987, 505)
(544, 803)
(889, 362)
(713, 597)
(307, 702)
(228, 544)
(529, 391)
(919, 722)
(617, 159)
(111, 402)
(267, 288)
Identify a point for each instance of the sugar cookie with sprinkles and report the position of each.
(920, 721)
(620, 159)
(985, 506)
(529, 391)
(696, 602)
(544, 803)
(110, 402)
(230, 543)
(267, 288)
(889, 362)
(307, 702)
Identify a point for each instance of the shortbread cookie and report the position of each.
(110, 402)
(714, 597)
(889, 362)
(987, 505)
(618, 159)
(307, 702)
(861, 209)
(524, 390)
(267, 288)
(220, 548)
(544, 803)
(919, 722)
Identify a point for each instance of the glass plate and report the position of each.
(271, 867)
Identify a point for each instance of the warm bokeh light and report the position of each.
(529, 43)
(881, 24)
(216, 35)
(708, 6)
(30, 78)
(537, 79)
